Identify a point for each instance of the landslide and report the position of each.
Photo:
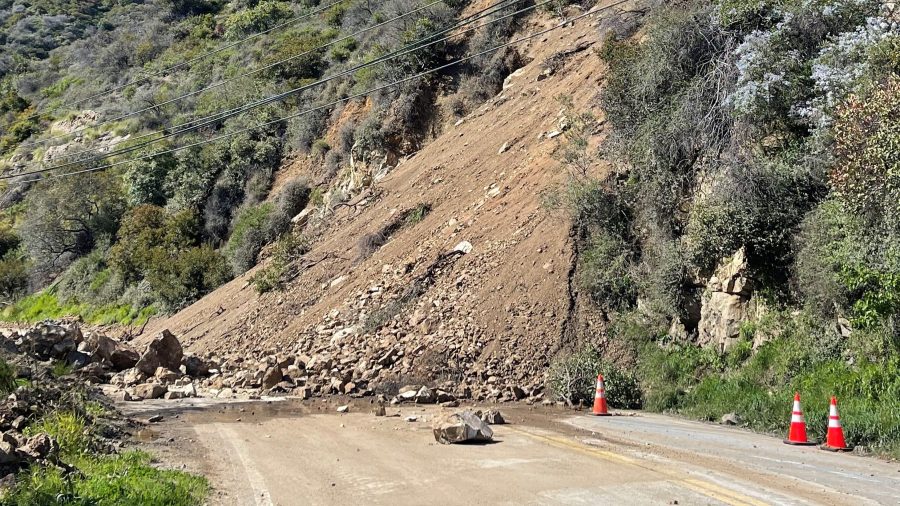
(412, 309)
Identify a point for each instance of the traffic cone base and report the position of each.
(798, 443)
(600, 408)
(834, 449)
(835, 442)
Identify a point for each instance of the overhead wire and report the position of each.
(173, 129)
(214, 118)
(239, 76)
(199, 57)
(330, 104)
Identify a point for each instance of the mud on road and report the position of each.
(291, 453)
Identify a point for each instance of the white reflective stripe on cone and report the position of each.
(833, 421)
(795, 418)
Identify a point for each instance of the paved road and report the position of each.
(725, 453)
(271, 456)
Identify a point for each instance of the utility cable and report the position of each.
(235, 78)
(473, 17)
(199, 57)
(210, 120)
(331, 104)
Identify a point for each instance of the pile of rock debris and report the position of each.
(164, 370)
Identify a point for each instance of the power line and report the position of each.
(224, 114)
(197, 58)
(331, 104)
(212, 119)
(239, 76)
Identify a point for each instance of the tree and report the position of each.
(67, 217)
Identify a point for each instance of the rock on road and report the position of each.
(542, 458)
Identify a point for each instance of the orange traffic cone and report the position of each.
(797, 435)
(835, 441)
(600, 408)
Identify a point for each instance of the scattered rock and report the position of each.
(732, 419)
(40, 447)
(379, 410)
(460, 428)
(148, 391)
(492, 417)
(343, 409)
(155, 419)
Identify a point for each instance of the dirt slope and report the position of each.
(498, 311)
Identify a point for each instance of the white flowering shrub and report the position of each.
(801, 59)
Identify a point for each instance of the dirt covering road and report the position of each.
(289, 454)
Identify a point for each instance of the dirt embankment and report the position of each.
(494, 316)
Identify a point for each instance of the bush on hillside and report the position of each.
(573, 378)
(866, 171)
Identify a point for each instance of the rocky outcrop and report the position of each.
(726, 303)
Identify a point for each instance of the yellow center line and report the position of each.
(704, 487)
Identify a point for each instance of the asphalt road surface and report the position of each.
(257, 455)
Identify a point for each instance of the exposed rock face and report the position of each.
(163, 351)
(461, 427)
(726, 303)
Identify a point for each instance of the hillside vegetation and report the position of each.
(755, 210)
(745, 244)
(156, 234)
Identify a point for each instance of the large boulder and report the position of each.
(460, 428)
(195, 366)
(163, 351)
(149, 391)
(117, 353)
(272, 377)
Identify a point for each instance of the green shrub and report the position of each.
(256, 19)
(604, 272)
(248, 236)
(288, 249)
(573, 378)
(866, 172)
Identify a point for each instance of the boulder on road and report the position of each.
(163, 351)
(460, 428)
(492, 417)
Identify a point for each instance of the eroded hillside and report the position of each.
(477, 292)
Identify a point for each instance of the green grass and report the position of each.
(60, 369)
(46, 305)
(128, 478)
(123, 479)
(699, 384)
